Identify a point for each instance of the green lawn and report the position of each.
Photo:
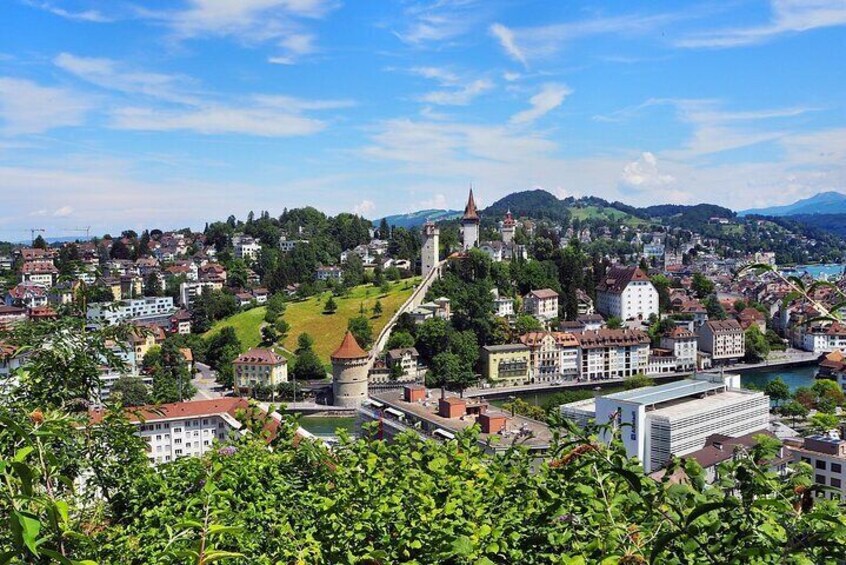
(247, 326)
(328, 329)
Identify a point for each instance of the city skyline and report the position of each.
(147, 114)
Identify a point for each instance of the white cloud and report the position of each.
(550, 97)
(788, 16)
(436, 21)
(114, 75)
(460, 96)
(27, 107)
(508, 42)
(364, 208)
(63, 212)
(93, 16)
(218, 120)
(644, 173)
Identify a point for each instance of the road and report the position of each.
(204, 381)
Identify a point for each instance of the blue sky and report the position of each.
(169, 113)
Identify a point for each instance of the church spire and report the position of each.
(470, 212)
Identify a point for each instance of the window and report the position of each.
(177, 430)
(820, 480)
(835, 483)
(820, 464)
(836, 468)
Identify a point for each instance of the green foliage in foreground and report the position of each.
(256, 501)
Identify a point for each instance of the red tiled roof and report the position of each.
(544, 293)
(563, 339)
(618, 278)
(190, 409)
(260, 356)
(729, 325)
(612, 338)
(679, 332)
(349, 349)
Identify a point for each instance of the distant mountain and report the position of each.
(417, 219)
(532, 203)
(823, 203)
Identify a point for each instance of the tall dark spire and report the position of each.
(470, 212)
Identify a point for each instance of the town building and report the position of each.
(185, 429)
(683, 345)
(749, 317)
(349, 373)
(440, 415)
(11, 315)
(626, 293)
(189, 291)
(506, 365)
(329, 273)
(542, 304)
(438, 308)
(27, 295)
(584, 304)
(552, 356)
(407, 360)
(42, 273)
(612, 353)
(470, 224)
(676, 418)
(826, 454)
(259, 367)
(430, 253)
(287, 245)
(823, 338)
(246, 247)
(136, 309)
(723, 340)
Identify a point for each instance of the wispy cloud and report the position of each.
(93, 16)
(27, 107)
(550, 97)
(436, 21)
(508, 42)
(456, 91)
(788, 16)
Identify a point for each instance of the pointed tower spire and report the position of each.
(470, 212)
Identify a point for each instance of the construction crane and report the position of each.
(33, 231)
(86, 229)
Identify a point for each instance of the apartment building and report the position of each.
(723, 340)
(259, 367)
(552, 356)
(542, 304)
(626, 293)
(826, 454)
(610, 353)
(683, 345)
(506, 365)
(824, 338)
(135, 309)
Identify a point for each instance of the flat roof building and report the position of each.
(676, 418)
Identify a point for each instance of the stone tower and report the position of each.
(507, 229)
(429, 254)
(350, 364)
(470, 224)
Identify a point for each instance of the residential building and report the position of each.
(259, 367)
(184, 429)
(406, 358)
(506, 365)
(683, 345)
(329, 273)
(135, 309)
(553, 356)
(626, 293)
(676, 418)
(612, 353)
(749, 317)
(503, 306)
(826, 454)
(723, 340)
(584, 305)
(591, 322)
(189, 291)
(438, 308)
(27, 295)
(11, 315)
(287, 245)
(823, 338)
(542, 304)
(42, 273)
(246, 247)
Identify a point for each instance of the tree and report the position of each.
(39, 242)
(307, 366)
(169, 369)
(823, 422)
(362, 330)
(614, 323)
(377, 309)
(637, 381)
(400, 340)
(130, 391)
(526, 323)
(330, 307)
(269, 335)
(701, 285)
(777, 390)
(794, 410)
(662, 284)
(384, 229)
(714, 308)
(223, 348)
(757, 346)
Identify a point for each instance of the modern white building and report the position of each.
(676, 418)
(626, 293)
(246, 247)
(189, 291)
(826, 454)
(110, 313)
(288, 245)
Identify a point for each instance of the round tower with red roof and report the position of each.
(350, 365)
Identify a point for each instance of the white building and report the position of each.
(723, 340)
(824, 338)
(541, 303)
(682, 343)
(42, 273)
(110, 313)
(288, 245)
(626, 293)
(184, 429)
(676, 418)
(188, 291)
(611, 354)
(246, 247)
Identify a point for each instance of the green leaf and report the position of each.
(30, 528)
(214, 556)
(23, 452)
(218, 529)
(462, 546)
(707, 507)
